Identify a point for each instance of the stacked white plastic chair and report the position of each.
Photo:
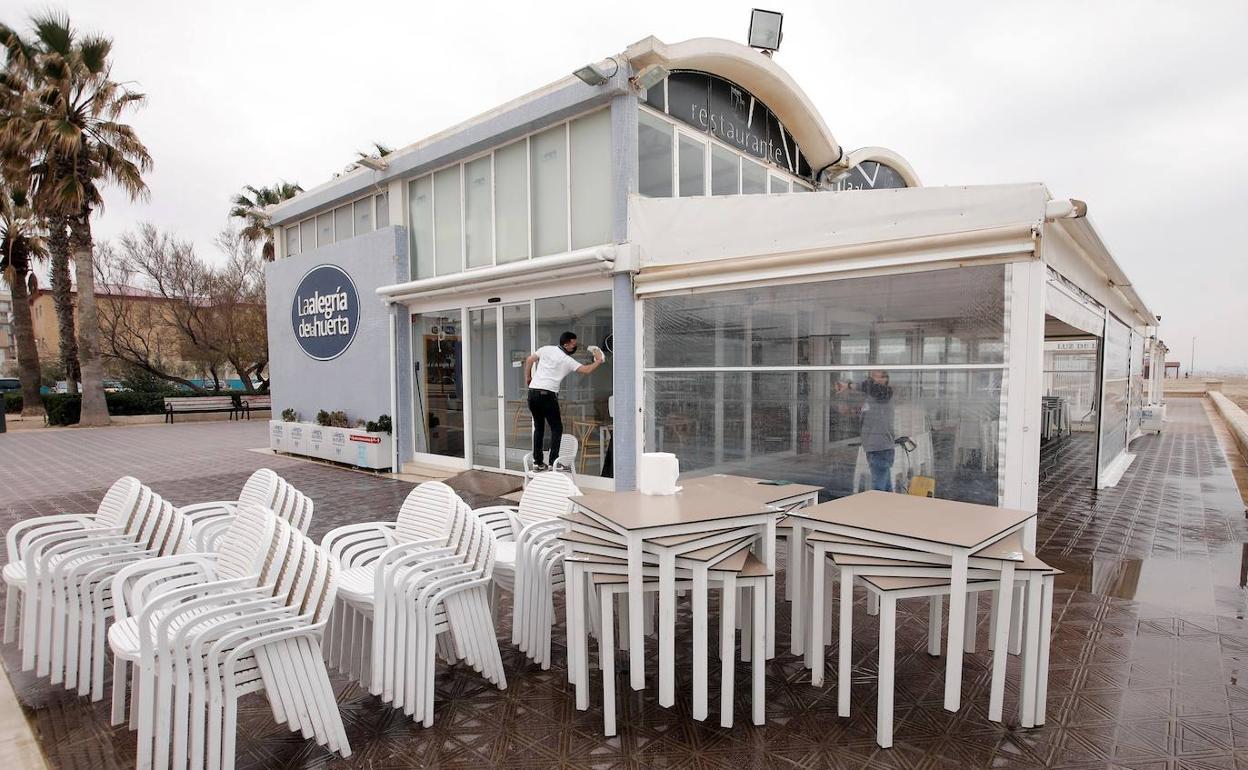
(46, 540)
(201, 644)
(81, 593)
(424, 521)
(248, 556)
(529, 558)
(565, 462)
(409, 591)
(264, 488)
(441, 603)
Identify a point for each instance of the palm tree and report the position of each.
(68, 124)
(249, 206)
(20, 246)
(16, 80)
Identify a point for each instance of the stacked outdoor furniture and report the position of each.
(902, 547)
(412, 590)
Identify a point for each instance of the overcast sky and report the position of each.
(1139, 108)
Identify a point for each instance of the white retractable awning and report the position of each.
(687, 243)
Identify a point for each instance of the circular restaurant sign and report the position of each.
(325, 312)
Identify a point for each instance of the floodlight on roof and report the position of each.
(649, 77)
(765, 30)
(598, 73)
(376, 164)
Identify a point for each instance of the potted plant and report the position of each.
(331, 437)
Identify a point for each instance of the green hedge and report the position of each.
(13, 403)
(65, 408)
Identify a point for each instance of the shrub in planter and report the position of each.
(290, 415)
(381, 425)
(322, 418)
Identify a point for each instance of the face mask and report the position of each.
(573, 350)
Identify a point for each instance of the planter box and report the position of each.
(350, 446)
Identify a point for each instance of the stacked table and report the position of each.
(708, 512)
(943, 528)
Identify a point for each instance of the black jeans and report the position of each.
(544, 406)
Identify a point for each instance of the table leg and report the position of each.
(636, 642)
(1000, 650)
(769, 558)
(1031, 648)
(667, 629)
(700, 708)
(972, 623)
(845, 643)
(888, 645)
(759, 699)
(1042, 665)
(1016, 622)
(816, 653)
(797, 609)
(935, 613)
(606, 651)
(727, 648)
(957, 620)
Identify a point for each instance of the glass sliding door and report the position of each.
(517, 343)
(486, 398)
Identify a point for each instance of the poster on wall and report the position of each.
(325, 312)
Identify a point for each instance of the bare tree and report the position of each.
(213, 317)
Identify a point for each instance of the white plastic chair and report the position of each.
(263, 488)
(425, 521)
(143, 593)
(564, 463)
(446, 596)
(80, 621)
(529, 556)
(45, 540)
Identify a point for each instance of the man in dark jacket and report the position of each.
(878, 436)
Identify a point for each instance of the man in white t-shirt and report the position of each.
(544, 370)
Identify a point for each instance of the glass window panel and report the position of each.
(692, 166)
(817, 427)
(1116, 391)
(583, 399)
(654, 156)
(518, 424)
(478, 225)
(656, 97)
(779, 184)
(548, 165)
(439, 383)
(420, 220)
(448, 230)
(855, 321)
(307, 235)
(325, 229)
(725, 171)
(798, 187)
(342, 223)
(591, 179)
(753, 178)
(363, 216)
(292, 240)
(382, 203)
(511, 201)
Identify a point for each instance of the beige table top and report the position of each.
(749, 488)
(889, 583)
(945, 522)
(634, 511)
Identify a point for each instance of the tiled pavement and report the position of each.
(1150, 635)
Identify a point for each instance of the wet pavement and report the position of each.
(1150, 636)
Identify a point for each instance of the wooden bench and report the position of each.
(200, 405)
(257, 403)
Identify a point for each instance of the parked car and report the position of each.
(10, 384)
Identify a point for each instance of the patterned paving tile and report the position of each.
(1150, 641)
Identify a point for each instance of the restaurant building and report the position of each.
(694, 216)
